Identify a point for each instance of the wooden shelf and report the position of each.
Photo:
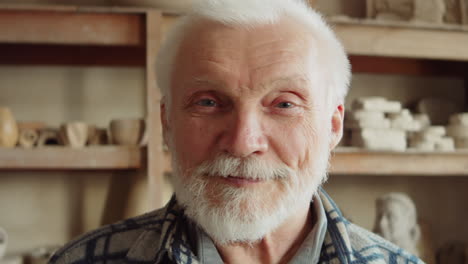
(64, 158)
(403, 40)
(353, 161)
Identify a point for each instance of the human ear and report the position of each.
(336, 126)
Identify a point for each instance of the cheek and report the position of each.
(299, 143)
(193, 141)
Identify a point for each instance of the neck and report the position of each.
(278, 246)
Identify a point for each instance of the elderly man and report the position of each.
(252, 105)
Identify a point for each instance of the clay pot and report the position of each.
(8, 128)
(74, 134)
(126, 131)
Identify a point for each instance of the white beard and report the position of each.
(245, 214)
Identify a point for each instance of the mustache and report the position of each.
(254, 168)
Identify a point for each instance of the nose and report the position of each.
(244, 136)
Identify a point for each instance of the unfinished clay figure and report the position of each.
(430, 11)
(390, 9)
(397, 220)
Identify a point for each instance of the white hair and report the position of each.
(247, 14)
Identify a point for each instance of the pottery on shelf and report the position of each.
(8, 128)
(97, 136)
(127, 131)
(28, 138)
(74, 134)
(48, 136)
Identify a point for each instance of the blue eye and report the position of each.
(285, 105)
(207, 103)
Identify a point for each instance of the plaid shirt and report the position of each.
(161, 236)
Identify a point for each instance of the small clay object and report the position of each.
(97, 136)
(422, 119)
(461, 143)
(431, 11)
(127, 131)
(396, 10)
(445, 144)
(357, 124)
(396, 221)
(457, 131)
(377, 104)
(366, 115)
(48, 137)
(428, 11)
(8, 128)
(403, 120)
(74, 134)
(366, 119)
(422, 145)
(379, 139)
(28, 138)
(460, 119)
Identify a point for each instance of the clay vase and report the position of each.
(126, 131)
(74, 134)
(8, 128)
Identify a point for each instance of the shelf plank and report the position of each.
(355, 161)
(64, 158)
(407, 66)
(29, 54)
(78, 28)
(351, 161)
(370, 38)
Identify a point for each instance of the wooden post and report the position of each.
(155, 150)
(464, 11)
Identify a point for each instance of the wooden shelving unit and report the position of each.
(354, 161)
(403, 40)
(63, 158)
(87, 36)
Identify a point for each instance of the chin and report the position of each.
(242, 215)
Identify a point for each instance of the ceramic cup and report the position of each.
(127, 131)
(3, 242)
(74, 134)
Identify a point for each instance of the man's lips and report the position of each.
(239, 181)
